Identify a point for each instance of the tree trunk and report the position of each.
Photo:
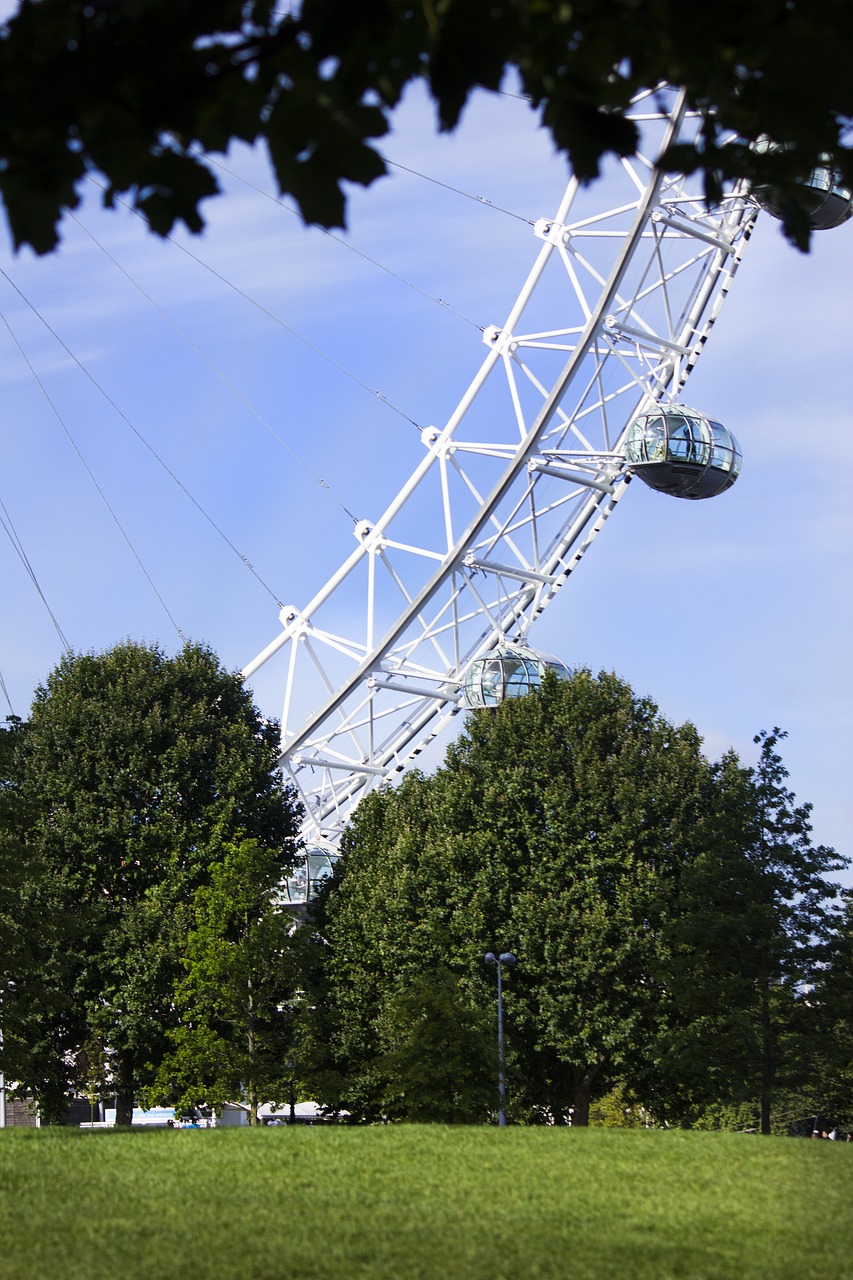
(52, 1107)
(767, 1064)
(124, 1089)
(252, 1101)
(583, 1096)
(251, 1085)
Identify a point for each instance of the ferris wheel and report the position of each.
(579, 389)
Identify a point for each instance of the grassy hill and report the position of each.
(413, 1203)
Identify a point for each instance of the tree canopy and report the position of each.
(235, 1003)
(665, 912)
(746, 939)
(830, 1025)
(139, 93)
(680, 954)
(134, 773)
(556, 829)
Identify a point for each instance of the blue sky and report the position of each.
(734, 613)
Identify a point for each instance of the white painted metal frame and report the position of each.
(511, 492)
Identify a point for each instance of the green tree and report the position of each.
(706, 1049)
(142, 92)
(744, 946)
(826, 1013)
(235, 1003)
(437, 1060)
(41, 1024)
(728, 1118)
(11, 844)
(374, 933)
(136, 771)
(793, 895)
(618, 1110)
(557, 828)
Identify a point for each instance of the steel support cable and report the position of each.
(504, 93)
(91, 476)
(294, 333)
(6, 694)
(431, 297)
(214, 369)
(14, 538)
(483, 200)
(141, 438)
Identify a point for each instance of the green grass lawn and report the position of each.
(422, 1201)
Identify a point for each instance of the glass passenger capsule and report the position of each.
(681, 452)
(508, 672)
(823, 196)
(314, 864)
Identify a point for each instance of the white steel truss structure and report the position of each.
(514, 488)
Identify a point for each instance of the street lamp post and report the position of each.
(9, 986)
(506, 957)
